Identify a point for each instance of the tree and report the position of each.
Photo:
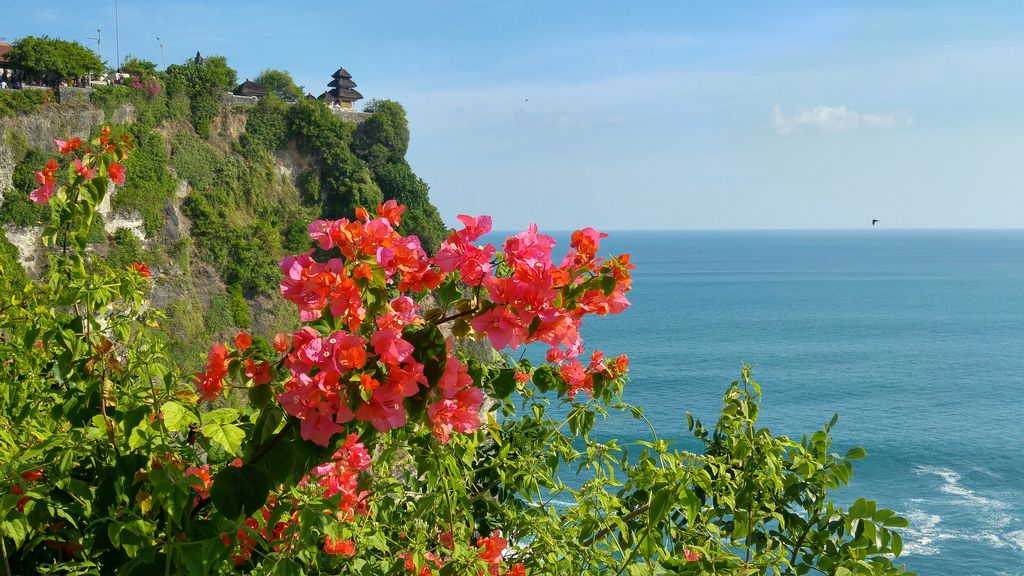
(54, 59)
(138, 67)
(280, 83)
(384, 136)
(204, 83)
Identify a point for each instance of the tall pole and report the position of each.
(99, 51)
(162, 61)
(117, 42)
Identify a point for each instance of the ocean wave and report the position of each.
(925, 536)
(951, 485)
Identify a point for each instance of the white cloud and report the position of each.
(835, 119)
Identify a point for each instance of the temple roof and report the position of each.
(342, 83)
(341, 95)
(250, 88)
(341, 73)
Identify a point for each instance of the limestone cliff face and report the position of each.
(39, 130)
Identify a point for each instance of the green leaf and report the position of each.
(176, 417)
(855, 453)
(659, 506)
(238, 491)
(896, 522)
(504, 384)
(545, 378)
(228, 436)
(16, 529)
(221, 415)
(429, 349)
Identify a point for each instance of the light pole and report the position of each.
(162, 61)
(99, 52)
(117, 43)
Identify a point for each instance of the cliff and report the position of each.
(212, 215)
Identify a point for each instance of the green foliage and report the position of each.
(150, 186)
(12, 275)
(194, 160)
(309, 187)
(125, 248)
(266, 127)
(13, 102)
(239, 307)
(279, 83)
(110, 97)
(219, 315)
(383, 137)
(203, 84)
(97, 234)
(17, 208)
(52, 58)
(315, 129)
(138, 67)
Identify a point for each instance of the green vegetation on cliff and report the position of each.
(255, 175)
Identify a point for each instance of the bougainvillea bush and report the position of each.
(369, 441)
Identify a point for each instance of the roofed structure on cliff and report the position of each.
(341, 93)
(6, 72)
(250, 88)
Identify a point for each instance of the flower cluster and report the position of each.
(491, 550)
(86, 166)
(356, 361)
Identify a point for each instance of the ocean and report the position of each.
(916, 339)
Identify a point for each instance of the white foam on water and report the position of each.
(951, 485)
(1015, 539)
(925, 533)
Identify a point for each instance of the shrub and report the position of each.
(239, 307)
(14, 102)
(151, 186)
(266, 127)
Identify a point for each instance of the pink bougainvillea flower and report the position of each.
(42, 194)
(281, 342)
(84, 171)
(518, 569)
(68, 146)
(391, 211)
(46, 182)
(142, 269)
(691, 555)
(116, 173)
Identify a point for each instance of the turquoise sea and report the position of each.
(916, 339)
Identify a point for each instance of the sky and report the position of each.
(645, 115)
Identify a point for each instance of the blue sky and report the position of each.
(647, 115)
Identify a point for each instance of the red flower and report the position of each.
(142, 269)
(68, 146)
(32, 475)
(691, 555)
(518, 569)
(258, 371)
(243, 341)
(339, 547)
(116, 173)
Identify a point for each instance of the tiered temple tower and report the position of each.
(341, 93)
